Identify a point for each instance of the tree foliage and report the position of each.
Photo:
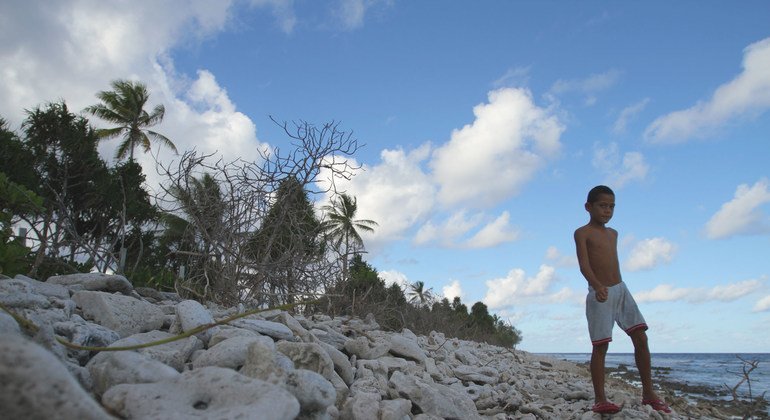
(124, 107)
(229, 232)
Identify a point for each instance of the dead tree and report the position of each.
(222, 264)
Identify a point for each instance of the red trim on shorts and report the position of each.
(636, 327)
(602, 341)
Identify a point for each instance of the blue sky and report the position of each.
(485, 125)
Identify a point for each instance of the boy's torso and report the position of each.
(601, 245)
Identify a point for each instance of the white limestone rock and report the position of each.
(361, 406)
(404, 347)
(314, 392)
(122, 314)
(482, 375)
(8, 325)
(109, 283)
(191, 314)
(341, 362)
(263, 362)
(206, 393)
(45, 289)
(362, 348)
(34, 384)
(433, 398)
(230, 353)
(174, 353)
(126, 367)
(273, 329)
(310, 356)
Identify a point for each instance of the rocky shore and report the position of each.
(265, 365)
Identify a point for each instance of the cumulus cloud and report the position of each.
(746, 95)
(515, 286)
(63, 50)
(489, 160)
(726, 293)
(453, 232)
(495, 233)
(743, 214)
(649, 253)
(663, 293)
(391, 277)
(763, 304)
(619, 172)
(516, 76)
(589, 86)
(446, 234)
(452, 290)
(351, 13)
(733, 291)
(395, 193)
(555, 256)
(628, 114)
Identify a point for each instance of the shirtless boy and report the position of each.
(609, 300)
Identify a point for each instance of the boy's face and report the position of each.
(602, 209)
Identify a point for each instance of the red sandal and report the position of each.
(606, 407)
(657, 405)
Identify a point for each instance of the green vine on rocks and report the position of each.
(29, 325)
(23, 322)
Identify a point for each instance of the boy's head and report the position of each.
(600, 204)
(596, 191)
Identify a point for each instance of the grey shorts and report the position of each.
(619, 307)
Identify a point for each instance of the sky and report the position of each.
(484, 123)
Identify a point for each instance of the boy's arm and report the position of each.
(581, 245)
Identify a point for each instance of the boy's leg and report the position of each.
(597, 371)
(643, 363)
(642, 354)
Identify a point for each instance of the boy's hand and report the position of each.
(601, 294)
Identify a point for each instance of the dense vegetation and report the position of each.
(227, 232)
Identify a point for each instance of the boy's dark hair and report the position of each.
(593, 195)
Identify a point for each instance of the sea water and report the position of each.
(717, 371)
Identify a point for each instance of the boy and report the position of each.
(609, 300)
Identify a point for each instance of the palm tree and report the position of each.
(418, 294)
(124, 106)
(342, 227)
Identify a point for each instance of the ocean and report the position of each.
(700, 374)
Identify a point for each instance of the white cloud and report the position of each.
(504, 292)
(567, 295)
(732, 291)
(491, 159)
(747, 94)
(453, 231)
(394, 277)
(554, 255)
(452, 290)
(663, 293)
(351, 13)
(513, 77)
(741, 215)
(283, 12)
(447, 233)
(628, 114)
(495, 233)
(762, 304)
(726, 293)
(649, 253)
(64, 50)
(395, 193)
(591, 84)
(619, 172)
